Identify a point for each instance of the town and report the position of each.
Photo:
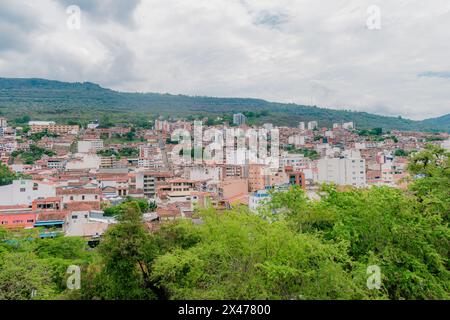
(67, 179)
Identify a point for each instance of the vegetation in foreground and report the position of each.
(295, 248)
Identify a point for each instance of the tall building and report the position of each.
(162, 125)
(301, 125)
(239, 119)
(3, 123)
(342, 171)
(348, 125)
(148, 181)
(312, 125)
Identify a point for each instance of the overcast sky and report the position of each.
(301, 51)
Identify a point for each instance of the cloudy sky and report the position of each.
(301, 51)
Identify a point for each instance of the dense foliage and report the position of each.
(33, 268)
(33, 154)
(6, 175)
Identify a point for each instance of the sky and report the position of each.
(391, 59)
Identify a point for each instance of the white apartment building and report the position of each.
(297, 161)
(301, 126)
(93, 125)
(348, 125)
(239, 119)
(24, 192)
(312, 125)
(342, 171)
(297, 140)
(3, 122)
(83, 162)
(202, 172)
(56, 163)
(91, 145)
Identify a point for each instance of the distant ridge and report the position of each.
(64, 101)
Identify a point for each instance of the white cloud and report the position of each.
(298, 51)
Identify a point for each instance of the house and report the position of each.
(24, 192)
(17, 217)
(87, 224)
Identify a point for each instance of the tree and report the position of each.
(382, 226)
(431, 168)
(33, 268)
(130, 135)
(24, 277)
(400, 153)
(240, 256)
(6, 175)
(126, 256)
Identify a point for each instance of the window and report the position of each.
(71, 198)
(74, 217)
(30, 221)
(83, 197)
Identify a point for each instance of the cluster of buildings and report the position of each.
(66, 193)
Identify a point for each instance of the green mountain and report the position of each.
(40, 99)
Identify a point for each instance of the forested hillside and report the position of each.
(81, 102)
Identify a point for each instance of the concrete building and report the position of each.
(342, 171)
(297, 161)
(90, 145)
(16, 218)
(149, 180)
(301, 126)
(239, 119)
(312, 125)
(233, 191)
(24, 192)
(3, 122)
(348, 125)
(296, 178)
(84, 162)
(56, 163)
(203, 173)
(297, 140)
(51, 126)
